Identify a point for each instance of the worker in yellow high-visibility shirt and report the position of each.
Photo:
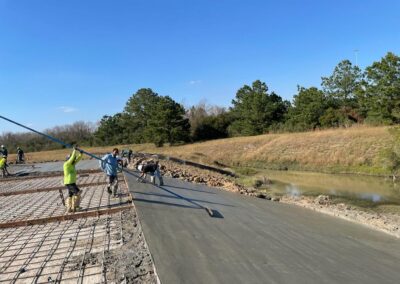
(3, 167)
(74, 193)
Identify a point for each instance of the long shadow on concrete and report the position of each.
(191, 189)
(151, 188)
(166, 203)
(178, 197)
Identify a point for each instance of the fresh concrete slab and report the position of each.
(255, 241)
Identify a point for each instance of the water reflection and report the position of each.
(372, 197)
(293, 190)
(368, 188)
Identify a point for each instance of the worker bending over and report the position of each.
(109, 164)
(153, 169)
(74, 193)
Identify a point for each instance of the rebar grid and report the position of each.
(17, 187)
(40, 175)
(69, 251)
(48, 204)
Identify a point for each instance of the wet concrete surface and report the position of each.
(252, 240)
(23, 169)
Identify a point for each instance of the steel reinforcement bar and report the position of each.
(44, 189)
(74, 216)
(47, 174)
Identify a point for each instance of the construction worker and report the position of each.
(140, 163)
(20, 156)
(130, 155)
(3, 167)
(74, 193)
(3, 161)
(109, 164)
(153, 169)
(4, 151)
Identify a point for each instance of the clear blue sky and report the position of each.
(62, 61)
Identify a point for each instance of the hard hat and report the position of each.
(2, 146)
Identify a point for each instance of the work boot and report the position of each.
(68, 204)
(75, 203)
(78, 202)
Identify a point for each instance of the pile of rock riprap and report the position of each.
(201, 176)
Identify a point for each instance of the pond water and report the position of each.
(373, 189)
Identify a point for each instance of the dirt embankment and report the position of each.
(386, 222)
(352, 150)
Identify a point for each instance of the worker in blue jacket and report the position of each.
(109, 164)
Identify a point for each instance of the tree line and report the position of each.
(80, 132)
(347, 96)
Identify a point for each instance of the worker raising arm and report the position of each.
(74, 193)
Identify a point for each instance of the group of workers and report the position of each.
(110, 164)
(4, 157)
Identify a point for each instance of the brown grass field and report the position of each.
(350, 150)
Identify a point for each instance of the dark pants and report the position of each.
(72, 189)
(20, 158)
(112, 184)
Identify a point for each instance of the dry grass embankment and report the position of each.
(352, 150)
(355, 150)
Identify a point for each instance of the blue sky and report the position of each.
(62, 61)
